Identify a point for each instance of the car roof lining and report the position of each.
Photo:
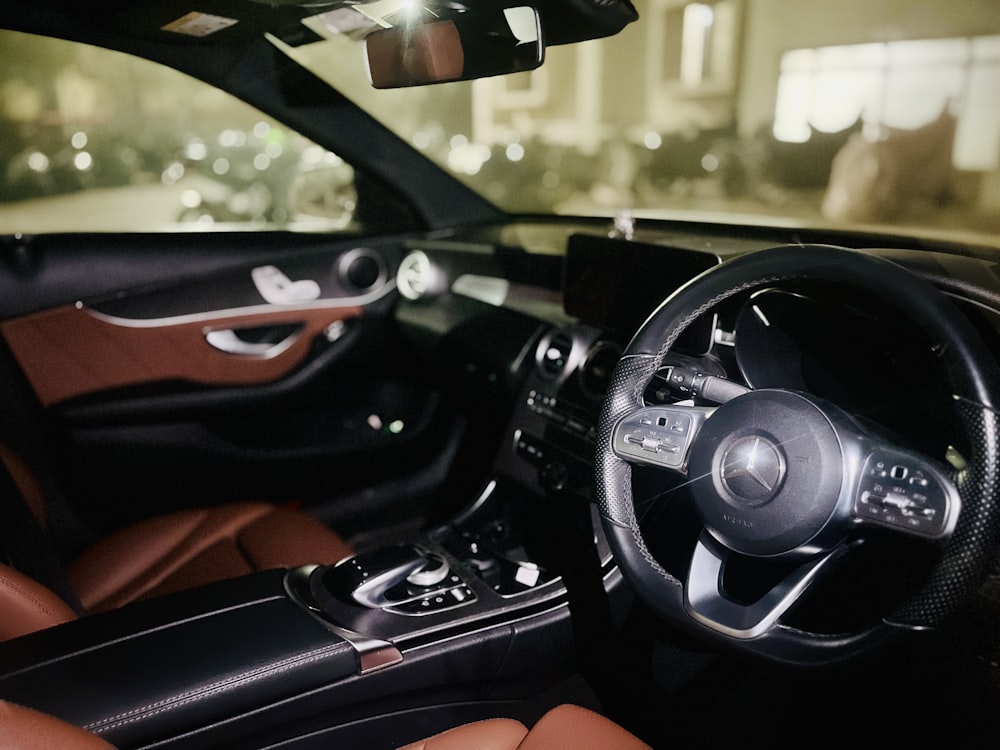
(571, 20)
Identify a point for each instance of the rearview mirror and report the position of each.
(473, 44)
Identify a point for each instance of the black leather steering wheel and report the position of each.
(784, 476)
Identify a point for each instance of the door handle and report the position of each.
(228, 340)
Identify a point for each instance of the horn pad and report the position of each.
(768, 469)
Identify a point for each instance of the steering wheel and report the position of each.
(781, 475)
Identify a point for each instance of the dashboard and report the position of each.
(577, 306)
(842, 344)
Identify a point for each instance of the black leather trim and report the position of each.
(176, 673)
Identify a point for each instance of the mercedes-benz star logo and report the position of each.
(753, 469)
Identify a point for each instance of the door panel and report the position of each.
(75, 351)
(193, 389)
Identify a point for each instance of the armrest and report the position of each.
(155, 669)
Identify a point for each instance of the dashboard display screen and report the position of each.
(616, 284)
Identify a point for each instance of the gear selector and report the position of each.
(405, 579)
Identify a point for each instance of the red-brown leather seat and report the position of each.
(185, 549)
(161, 555)
(565, 727)
(25, 729)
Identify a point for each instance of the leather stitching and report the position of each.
(182, 699)
(32, 597)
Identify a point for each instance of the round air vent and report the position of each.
(362, 269)
(418, 276)
(554, 353)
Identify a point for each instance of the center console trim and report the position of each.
(372, 653)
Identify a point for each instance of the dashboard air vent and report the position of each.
(362, 269)
(419, 277)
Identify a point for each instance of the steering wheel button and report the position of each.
(872, 510)
(919, 500)
(897, 501)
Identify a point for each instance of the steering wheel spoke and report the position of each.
(659, 436)
(903, 491)
(707, 602)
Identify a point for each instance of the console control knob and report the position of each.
(434, 571)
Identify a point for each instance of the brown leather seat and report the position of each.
(162, 555)
(25, 729)
(565, 727)
(182, 550)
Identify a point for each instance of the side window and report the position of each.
(98, 141)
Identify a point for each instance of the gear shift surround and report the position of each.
(405, 579)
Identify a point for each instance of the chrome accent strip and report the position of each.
(707, 603)
(477, 503)
(500, 624)
(372, 654)
(215, 315)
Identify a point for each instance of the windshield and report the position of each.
(884, 119)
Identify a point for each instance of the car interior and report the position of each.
(454, 475)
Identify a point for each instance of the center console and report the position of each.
(505, 552)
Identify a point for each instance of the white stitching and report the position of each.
(166, 704)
